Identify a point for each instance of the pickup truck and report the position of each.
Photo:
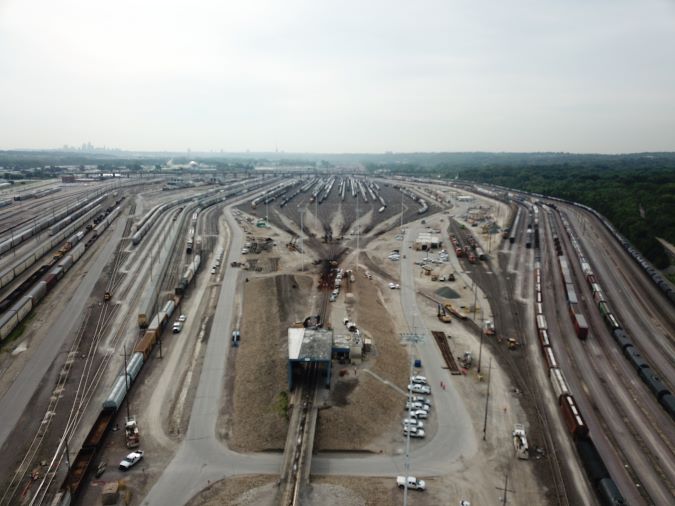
(413, 483)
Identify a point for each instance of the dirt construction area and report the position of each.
(361, 411)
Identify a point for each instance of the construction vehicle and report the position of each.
(520, 441)
(107, 296)
(466, 360)
(131, 432)
(512, 343)
(443, 315)
(450, 309)
(489, 328)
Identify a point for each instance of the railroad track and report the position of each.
(93, 369)
(302, 439)
(442, 341)
(509, 316)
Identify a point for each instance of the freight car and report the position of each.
(23, 306)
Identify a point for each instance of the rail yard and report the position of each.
(327, 338)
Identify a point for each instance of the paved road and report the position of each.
(202, 459)
(15, 400)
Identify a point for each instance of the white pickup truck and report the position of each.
(413, 483)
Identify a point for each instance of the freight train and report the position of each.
(55, 270)
(602, 483)
(26, 233)
(74, 480)
(644, 370)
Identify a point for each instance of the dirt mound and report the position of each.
(448, 293)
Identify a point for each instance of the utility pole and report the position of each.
(126, 380)
(487, 399)
(480, 347)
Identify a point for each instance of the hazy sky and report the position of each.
(347, 76)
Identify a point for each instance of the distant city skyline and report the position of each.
(339, 77)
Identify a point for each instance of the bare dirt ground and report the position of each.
(360, 413)
(271, 304)
(239, 491)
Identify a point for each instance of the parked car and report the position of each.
(177, 327)
(419, 389)
(131, 460)
(182, 318)
(418, 414)
(332, 297)
(414, 432)
(394, 286)
(422, 380)
(412, 422)
(413, 483)
(422, 399)
(417, 405)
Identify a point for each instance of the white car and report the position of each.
(422, 380)
(182, 318)
(419, 414)
(394, 286)
(414, 431)
(417, 405)
(419, 389)
(131, 460)
(423, 400)
(412, 422)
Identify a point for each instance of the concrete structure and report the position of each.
(306, 346)
(426, 241)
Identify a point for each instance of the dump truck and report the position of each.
(443, 315)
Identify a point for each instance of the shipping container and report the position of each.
(580, 325)
(572, 417)
(559, 384)
(543, 339)
(551, 362)
(571, 294)
(541, 322)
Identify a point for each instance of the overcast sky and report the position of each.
(347, 76)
